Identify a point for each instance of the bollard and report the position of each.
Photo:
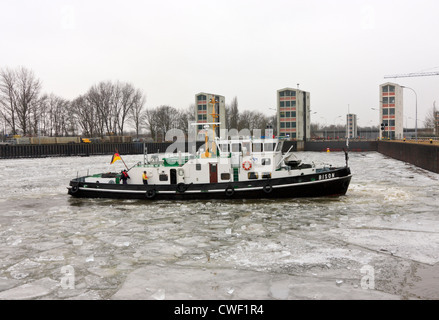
(327, 150)
(431, 141)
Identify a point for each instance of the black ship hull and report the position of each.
(333, 182)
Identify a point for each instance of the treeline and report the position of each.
(107, 108)
(248, 119)
(104, 109)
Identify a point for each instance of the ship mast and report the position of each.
(214, 115)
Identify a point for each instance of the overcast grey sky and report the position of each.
(337, 50)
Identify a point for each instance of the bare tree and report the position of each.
(112, 105)
(430, 118)
(185, 116)
(27, 93)
(100, 99)
(167, 118)
(137, 113)
(129, 99)
(259, 121)
(160, 120)
(233, 114)
(151, 123)
(86, 116)
(55, 115)
(8, 98)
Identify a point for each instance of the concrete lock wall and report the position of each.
(424, 156)
(354, 146)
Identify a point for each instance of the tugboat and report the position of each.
(231, 169)
(244, 168)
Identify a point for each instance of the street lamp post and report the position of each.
(416, 117)
(334, 124)
(326, 129)
(380, 132)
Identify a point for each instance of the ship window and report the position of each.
(246, 148)
(266, 162)
(225, 176)
(266, 175)
(224, 147)
(279, 147)
(236, 147)
(257, 147)
(163, 177)
(252, 175)
(198, 166)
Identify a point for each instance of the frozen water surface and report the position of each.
(380, 241)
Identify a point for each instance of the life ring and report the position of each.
(150, 193)
(181, 187)
(267, 188)
(230, 191)
(246, 165)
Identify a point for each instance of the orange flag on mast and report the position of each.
(116, 157)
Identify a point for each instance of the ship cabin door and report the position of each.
(173, 175)
(213, 170)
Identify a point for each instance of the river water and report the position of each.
(380, 241)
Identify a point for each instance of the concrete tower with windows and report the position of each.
(293, 114)
(391, 111)
(351, 125)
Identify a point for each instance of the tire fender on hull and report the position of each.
(268, 188)
(74, 188)
(230, 191)
(151, 193)
(181, 187)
